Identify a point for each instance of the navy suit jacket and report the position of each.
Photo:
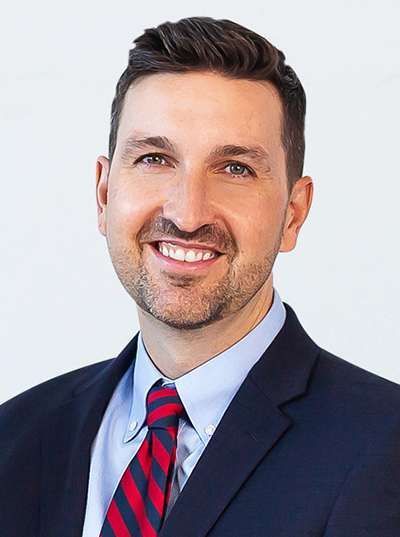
(309, 447)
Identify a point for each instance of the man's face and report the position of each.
(195, 188)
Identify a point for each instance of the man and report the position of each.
(221, 417)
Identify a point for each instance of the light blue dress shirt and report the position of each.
(205, 392)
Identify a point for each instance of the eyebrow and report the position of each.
(161, 142)
(255, 152)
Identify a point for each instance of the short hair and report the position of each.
(227, 48)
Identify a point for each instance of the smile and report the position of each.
(188, 255)
(178, 258)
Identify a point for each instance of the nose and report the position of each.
(188, 202)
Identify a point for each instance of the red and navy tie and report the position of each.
(140, 501)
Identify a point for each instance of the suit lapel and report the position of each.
(66, 442)
(249, 429)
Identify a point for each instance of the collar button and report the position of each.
(132, 426)
(209, 430)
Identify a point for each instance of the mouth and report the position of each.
(174, 256)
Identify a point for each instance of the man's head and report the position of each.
(206, 148)
(225, 47)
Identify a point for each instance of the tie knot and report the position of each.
(164, 407)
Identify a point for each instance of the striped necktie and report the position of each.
(140, 501)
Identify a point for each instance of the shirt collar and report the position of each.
(207, 390)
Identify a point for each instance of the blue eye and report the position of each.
(237, 169)
(153, 156)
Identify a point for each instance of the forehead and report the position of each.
(203, 105)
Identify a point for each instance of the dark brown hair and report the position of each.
(225, 47)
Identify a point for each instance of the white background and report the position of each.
(61, 304)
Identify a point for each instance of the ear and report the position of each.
(102, 171)
(296, 212)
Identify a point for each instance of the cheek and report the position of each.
(256, 221)
(129, 209)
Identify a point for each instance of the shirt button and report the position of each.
(209, 430)
(132, 426)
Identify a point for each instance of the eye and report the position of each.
(239, 170)
(153, 158)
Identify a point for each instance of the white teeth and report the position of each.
(178, 254)
(189, 256)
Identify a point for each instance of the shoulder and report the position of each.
(26, 409)
(345, 378)
(358, 429)
(358, 403)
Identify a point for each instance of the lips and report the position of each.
(181, 266)
(189, 254)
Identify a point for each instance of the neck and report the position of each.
(175, 352)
